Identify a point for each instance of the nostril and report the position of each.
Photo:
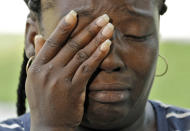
(112, 70)
(117, 69)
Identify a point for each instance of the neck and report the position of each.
(146, 122)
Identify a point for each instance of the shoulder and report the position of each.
(175, 118)
(21, 123)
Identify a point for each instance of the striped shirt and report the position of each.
(169, 118)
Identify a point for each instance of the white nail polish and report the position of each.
(37, 37)
(103, 20)
(108, 29)
(106, 45)
(70, 16)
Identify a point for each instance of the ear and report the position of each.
(30, 33)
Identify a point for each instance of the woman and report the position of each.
(93, 68)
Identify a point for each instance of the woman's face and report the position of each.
(131, 62)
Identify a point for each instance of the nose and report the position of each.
(112, 62)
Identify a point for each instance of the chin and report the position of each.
(103, 116)
(112, 116)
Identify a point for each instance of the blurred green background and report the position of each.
(173, 88)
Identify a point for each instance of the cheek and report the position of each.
(141, 58)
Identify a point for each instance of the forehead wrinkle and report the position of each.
(139, 12)
(126, 9)
(133, 11)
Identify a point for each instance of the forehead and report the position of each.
(141, 7)
(118, 10)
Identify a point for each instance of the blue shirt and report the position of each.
(169, 118)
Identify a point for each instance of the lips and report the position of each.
(109, 87)
(109, 93)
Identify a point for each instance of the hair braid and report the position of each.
(21, 95)
(163, 8)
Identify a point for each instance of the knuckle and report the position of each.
(50, 68)
(97, 42)
(85, 68)
(81, 56)
(67, 81)
(64, 29)
(74, 45)
(42, 59)
(101, 38)
(44, 74)
(47, 72)
(33, 70)
(90, 31)
(52, 43)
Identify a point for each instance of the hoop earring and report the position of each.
(166, 69)
(29, 63)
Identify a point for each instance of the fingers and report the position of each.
(85, 71)
(56, 40)
(104, 34)
(79, 41)
(85, 53)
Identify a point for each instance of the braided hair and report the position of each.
(34, 6)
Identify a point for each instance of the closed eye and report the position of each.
(137, 38)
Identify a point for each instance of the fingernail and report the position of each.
(103, 20)
(37, 38)
(106, 45)
(70, 16)
(108, 29)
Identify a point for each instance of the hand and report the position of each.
(57, 79)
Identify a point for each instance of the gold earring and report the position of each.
(29, 63)
(166, 69)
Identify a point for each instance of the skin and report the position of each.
(61, 79)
